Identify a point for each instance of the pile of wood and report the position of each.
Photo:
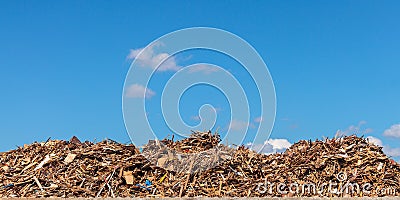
(197, 142)
(72, 169)
(196, 166)
(195, 154)
(347, 160)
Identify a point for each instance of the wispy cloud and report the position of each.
(195, 118)
(258, 119)
(150, 58)
(237, 125)
(203, 68)
(218, 109)
(139, 91)
(394, 152)
(355, 129)
(393, 131)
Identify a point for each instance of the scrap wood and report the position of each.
(108, 169)
(38, 183)
(70, 157)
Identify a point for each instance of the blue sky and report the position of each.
(335, 65)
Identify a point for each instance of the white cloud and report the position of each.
(205, 69)
(261, 148)
(270, 146)
(279, 144)
(258, 119)
(151, 59)
(393, 131)
(393, 152)
(375, 141)
(237, 125)
(139, 91)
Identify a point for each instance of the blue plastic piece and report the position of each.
(148, 183)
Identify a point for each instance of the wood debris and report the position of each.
(109, 169)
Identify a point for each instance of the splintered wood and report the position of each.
(199, 152)
(170, 168)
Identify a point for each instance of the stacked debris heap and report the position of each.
(109, 169)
